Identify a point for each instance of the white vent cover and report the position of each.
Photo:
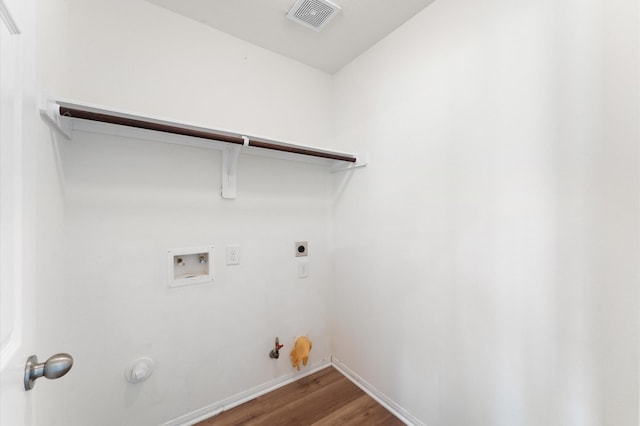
(314, 14)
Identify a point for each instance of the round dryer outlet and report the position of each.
(301, 248)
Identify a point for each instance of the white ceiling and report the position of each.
(360, 25)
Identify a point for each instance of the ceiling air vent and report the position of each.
(314, 14)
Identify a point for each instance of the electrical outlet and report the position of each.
(233, 254)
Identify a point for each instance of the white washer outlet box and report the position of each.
(189, 266)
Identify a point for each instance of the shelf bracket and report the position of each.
(230, 169)
(51, 111)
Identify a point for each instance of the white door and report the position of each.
(16, 331)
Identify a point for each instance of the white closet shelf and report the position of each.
(69, 115)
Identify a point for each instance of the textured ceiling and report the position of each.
(360, 25)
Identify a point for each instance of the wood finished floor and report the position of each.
(321, 399)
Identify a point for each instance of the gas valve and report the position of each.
(275, 352)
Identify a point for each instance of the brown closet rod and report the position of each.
(185, 131)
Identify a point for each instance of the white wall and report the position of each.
(487, 258)
(135, 55)
(127, 201)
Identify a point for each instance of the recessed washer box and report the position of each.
(188, 266)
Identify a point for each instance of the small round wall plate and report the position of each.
(139, 370)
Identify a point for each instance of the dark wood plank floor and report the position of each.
(321, 399)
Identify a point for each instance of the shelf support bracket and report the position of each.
(230, 169)
(51, 111)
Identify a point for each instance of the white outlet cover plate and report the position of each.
(233, 254)
(303, 268)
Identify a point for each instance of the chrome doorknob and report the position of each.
(56, 366)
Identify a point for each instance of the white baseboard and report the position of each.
(242, 397)
(374, 393)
